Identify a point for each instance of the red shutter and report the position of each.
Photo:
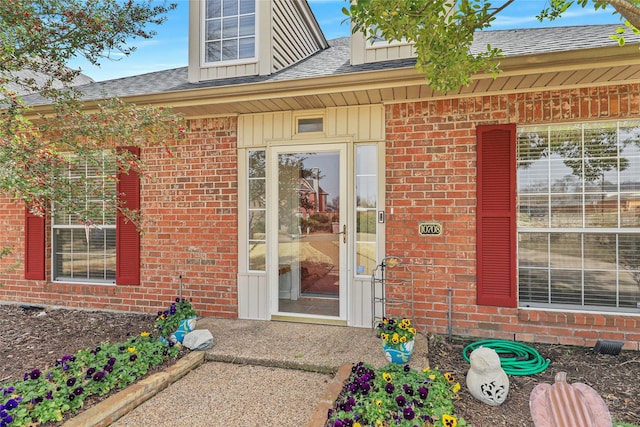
(127, 236)
(496, 216)
(34, 246)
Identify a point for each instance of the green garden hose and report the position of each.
(515, 358)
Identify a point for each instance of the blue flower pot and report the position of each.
(398, 353)
(186, 326)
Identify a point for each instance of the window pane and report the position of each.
(257, 162)
(247, 48)
(365, 258)
(566, 250)
(229, 50)
(247, 26)
(630, 210)
(630, 167)
(257, 197)
(533, 177)
(247, 6)
(367, 160)
(566, 211)
(601, 210)
(214, 30)
(257, 228)
(214, 9)
(533, 145)
(310, 125)
(532, 211)
(629, 258)
(257, 251)
(600, 288)
(229, 28)
(533, 285)
(600, 251)
(566, 287)
(533, 250)
(230, 7)
(214, 51)
(366, 224)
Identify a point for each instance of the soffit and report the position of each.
(553, 71)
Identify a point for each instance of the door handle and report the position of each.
(344, 233)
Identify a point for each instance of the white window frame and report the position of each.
(582, 230)
(203, 40)
(69, 224)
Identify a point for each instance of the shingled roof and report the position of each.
(335, 61)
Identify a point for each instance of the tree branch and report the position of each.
(627, 10)
(495, 12)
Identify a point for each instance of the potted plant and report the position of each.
(175, 322)
(397, 336)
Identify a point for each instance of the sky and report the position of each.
(168, 49)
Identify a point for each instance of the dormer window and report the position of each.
(230, 30)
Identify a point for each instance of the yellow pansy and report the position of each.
(357, 424)
(144, 334)
(379, 402)
(403, 339)
(395, 339)
(384, 336)
(456, 388)
(449, 376)
(413, 331)
(449, 421)
(131, 349)
(427, 369)
(432, 377)
(387, 377)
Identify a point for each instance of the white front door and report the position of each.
(309, 231)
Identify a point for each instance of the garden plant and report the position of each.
(46, 395)
(396, 395)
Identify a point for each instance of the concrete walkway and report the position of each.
(258, 373)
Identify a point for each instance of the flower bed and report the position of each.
(43, 396)
(396, 395)
(49, 395)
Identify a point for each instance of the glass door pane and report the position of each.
(311, 232)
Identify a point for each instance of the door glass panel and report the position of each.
(366, 208)
(309, 233)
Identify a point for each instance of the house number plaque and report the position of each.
(430, 229)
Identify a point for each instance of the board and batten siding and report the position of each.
(365, 52)
(356, 124)
(259, 131)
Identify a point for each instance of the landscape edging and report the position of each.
(114, 407)
(320, 416)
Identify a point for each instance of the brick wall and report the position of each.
(191, 209)
(190, 230)
(430, 177)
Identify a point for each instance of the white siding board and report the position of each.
(253, 297)
(362, 51)
(292, 38)
(364, 123)
(360, 304)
